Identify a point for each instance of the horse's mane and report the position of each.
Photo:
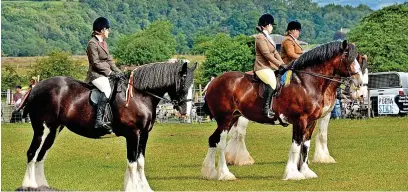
(158, 75)
(322, 53)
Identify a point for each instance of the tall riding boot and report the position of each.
(268, 92)
(99, 123)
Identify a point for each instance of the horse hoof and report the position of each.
(41, 188)
(209, 173)
(308, 173)
(227, 177)
(326, 159)
(294, 175)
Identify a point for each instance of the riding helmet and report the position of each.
(266, 19)
(294, 25)
(101, 23)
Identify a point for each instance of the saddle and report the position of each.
(251, 76)
(94, 96)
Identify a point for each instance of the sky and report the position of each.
(374, 4)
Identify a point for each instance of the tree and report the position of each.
(10, 78)
(156, 43)
(382, 35)
(58, 63)
(227, 54)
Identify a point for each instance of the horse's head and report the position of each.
(349, 65)
(362, 92)
(184, 80)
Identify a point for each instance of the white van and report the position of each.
(389, 92)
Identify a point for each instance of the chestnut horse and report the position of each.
(236, 152)
(60, 102)
(301, 103)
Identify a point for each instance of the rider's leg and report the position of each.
(268, 77)
(102, 83)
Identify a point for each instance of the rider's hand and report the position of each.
(282, 68)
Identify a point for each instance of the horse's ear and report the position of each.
(364, 63)
(194, 66)
(344, 45)
(183, 69)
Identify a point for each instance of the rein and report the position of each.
(331, 78)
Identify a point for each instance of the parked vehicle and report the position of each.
(389, 92)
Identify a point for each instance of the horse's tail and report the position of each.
(206, 109)
(25, 104)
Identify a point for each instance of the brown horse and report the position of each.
(316, 75)
(60, 102)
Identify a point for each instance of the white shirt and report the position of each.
(269, 37)
(99, 37)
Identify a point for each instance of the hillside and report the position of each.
(32, 28)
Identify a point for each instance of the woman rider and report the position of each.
(101, 66)
(291, 48)
(267, 59)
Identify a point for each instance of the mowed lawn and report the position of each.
(371, 155)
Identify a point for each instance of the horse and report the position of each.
(60, 102)
(236, 152)
(316, 75)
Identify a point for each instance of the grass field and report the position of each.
(370, 154)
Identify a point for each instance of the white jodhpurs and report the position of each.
(102, 83)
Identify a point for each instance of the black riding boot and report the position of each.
(99, 124)
(268, 92)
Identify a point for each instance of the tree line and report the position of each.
(33, 28)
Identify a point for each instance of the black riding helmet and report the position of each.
(266, 19)
(294, 25)
(100, 23)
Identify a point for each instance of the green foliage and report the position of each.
(58, 63)
(66, 26)
(10, 78)
(382, 35)
(227, 54)
(156, 43)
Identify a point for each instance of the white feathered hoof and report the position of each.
(239, 160)
(307, 172)
(293, 175)
(227, 176)
(323, 159)
(209, 173)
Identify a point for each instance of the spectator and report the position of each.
(17, 95)
(33, 82)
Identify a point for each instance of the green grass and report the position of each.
(370, 154)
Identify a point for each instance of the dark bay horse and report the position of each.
(60, 102)
(301, 103)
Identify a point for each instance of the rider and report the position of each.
(291, 48)
(101, 66)
(267, 59)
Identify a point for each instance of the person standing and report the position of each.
(101, 66)
(291, 48)
(267, 60)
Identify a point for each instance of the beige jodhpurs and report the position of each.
(267, 76)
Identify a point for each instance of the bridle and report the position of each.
(343, 80)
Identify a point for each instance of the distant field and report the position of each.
(371, 155)
(23, 64)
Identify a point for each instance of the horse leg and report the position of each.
(304, 153)
(39, 164)
(218, 139)
(291, 171)
(236, 152)
(40, 133)
(131, 176)
(322, 154)
(144, 135)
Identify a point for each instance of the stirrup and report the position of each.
(270, 114)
